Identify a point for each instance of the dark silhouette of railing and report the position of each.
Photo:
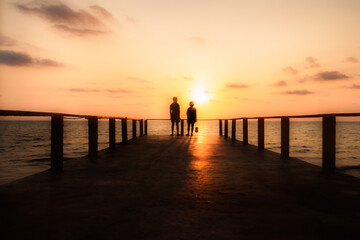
(328, 134)
(57, 125)
(57, 132)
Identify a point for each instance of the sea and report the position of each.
(25, 145)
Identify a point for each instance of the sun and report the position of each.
(200, 95)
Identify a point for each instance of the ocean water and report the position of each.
(25, 145)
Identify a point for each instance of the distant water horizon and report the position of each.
(25, 145)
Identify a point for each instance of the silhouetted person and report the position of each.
(191, 118)
(175, 116)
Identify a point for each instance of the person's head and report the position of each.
(175, 99)
(191, 104)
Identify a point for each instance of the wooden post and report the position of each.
(182, 127)
(226, 130)
(57, 142)
(124, 130)
(93, 136)
(285, 137)
(220, 127)
(146, 127)
(261, 133)
(329, 144)
(233, 129)
(141, 127)
(134, 129)
(245, 131)
(112, 133)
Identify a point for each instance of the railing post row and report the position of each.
(112, 133)
(93, 136)
(233, 129)
(57, 142)
(146, 128)
(134, 129)
(220, 127)
(226, 129)
(329, 144)
(124, 130)
(141, 127)
(285, 137)
(182, 127)
(261, 133)
(245, 131)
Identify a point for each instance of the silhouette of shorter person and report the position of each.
(175, 116)
(191, 118)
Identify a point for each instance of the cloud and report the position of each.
(7, 41)
(188, 78)
(132, 20)
(298, 92)
(312, 62)
(330, 76)
(352, 59)
(11, 58)
(290, 70)
(94, 90)
(118, 91)
(199, 40)
(64, 18)
(100, 11)
(138, 79)
(354, 86)
(280, 83)
(77, 31)
(235, 85)
(83, 90)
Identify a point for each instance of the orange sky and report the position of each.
(129, 58)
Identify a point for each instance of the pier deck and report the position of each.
(162, 187)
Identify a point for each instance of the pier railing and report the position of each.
(328, 134)
(57, 125)
(57, 132)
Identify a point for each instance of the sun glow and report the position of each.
(200, 95)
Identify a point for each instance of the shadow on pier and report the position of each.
(164, 187)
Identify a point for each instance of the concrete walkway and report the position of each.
(162, 187)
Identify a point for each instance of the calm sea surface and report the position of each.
(25, 145)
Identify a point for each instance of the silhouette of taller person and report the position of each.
(191, 118)
(175, 116)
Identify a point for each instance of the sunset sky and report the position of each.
(129, 58)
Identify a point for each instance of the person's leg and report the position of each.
(177, 128)
(188, 128)
(172, 128)
(192, 128)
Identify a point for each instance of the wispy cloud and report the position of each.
(236, 85)
(280, 83)
(7, 41)
(11, 58)
(94, 90)
(298, 92)
(188, 78)
(330, 76)
(100, 11)
(290, 70)
(352, 59)
(199, 40)
(77, 22)
(312, 62)
(354, 86)
(132, 20)
(138, 79)
(85, 90)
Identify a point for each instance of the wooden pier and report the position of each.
(201, 187)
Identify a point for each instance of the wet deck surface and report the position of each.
(162, 187)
